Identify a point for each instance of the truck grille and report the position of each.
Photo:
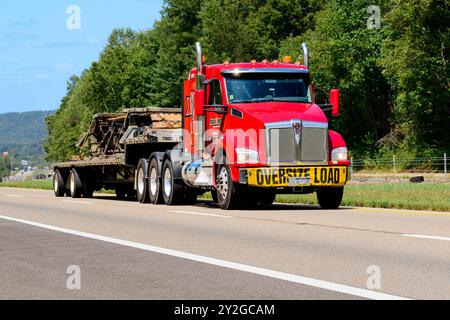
(297, 142)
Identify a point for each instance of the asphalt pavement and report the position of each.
(125, 250)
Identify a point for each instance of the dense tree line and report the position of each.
(394, 80)
(4, 167)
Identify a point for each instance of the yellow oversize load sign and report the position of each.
(297, 176)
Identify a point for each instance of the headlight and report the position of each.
(339, 154)
(246, 156)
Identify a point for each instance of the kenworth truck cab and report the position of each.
(253, 130)
(245, 132)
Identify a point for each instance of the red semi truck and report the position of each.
(246, 132)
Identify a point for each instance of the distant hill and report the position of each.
(23, 134)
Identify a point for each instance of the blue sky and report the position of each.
(38, 52)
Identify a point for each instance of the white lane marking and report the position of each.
(426, 237)
(358, 292)
(13, 196)
(201, 214)
(76, 202)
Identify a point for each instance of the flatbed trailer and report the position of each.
(117, 142)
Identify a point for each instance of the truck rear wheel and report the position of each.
(330, 198)
(75, 185)
(154, 183)
(173, 192)
(229, 193)
(141, 181)
(59, 185)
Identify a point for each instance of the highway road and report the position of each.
(124, 250)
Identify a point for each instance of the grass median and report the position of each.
(424, 196)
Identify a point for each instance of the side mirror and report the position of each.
(334, 101)
(199, 102)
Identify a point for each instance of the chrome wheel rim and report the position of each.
(222, 183)
(72, 184)
(153, 181)
(141, 181)
(167, 182)
(55, 183)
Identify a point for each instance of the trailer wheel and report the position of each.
(173, 192)
(75, 185)
(59, 186)
(141, 181)
(229, 193)
(154, 183)
(330, 198)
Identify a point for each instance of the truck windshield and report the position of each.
(264, 87)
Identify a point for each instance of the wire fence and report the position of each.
(394, 165)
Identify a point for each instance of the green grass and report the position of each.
(424, 196)
(46, 184)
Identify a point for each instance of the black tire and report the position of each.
(141, 181)
(214, 196)
(75, 185)
(229, 193)
(154, 183)
(173, 192)
(330, 198)
(59, 185)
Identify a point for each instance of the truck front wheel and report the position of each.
(229, 193)
(330, 198)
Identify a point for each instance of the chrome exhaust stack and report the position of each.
(305, 54)
(199, 120)
(199, 49)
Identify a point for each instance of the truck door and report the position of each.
(215, 113)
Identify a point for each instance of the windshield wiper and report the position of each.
(245, 101)
(291, 99)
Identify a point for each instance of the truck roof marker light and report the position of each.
(287, 59)
(275, 61)
(226, 62)
(298, 63)
(265, 61)
(253, 62)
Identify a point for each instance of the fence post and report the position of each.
(445, 166)
(351, 168)
(395, 167)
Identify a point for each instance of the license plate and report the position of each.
(299, 182)
(297, 176)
